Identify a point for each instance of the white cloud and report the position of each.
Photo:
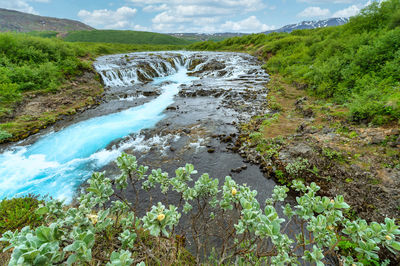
(140, 28)
(249, 5)
(199, 15)
(104, 18)
(328, 1)
(250, 24)
(21, 5)
(155, 8)
(347, 12)
(314, 11)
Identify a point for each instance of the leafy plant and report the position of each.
(297, 167)
(332, 154)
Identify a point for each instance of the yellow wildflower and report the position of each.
(234, 191)
(161, 217)
(93, 217)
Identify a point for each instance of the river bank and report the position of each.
(39, 110)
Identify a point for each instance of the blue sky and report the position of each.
(206, 16)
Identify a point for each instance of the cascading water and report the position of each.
(59, 162)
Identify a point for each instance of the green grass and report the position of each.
(17, 213)
(44, 34)
(356, 64)
(127, 37)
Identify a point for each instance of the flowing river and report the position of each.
(209, 93)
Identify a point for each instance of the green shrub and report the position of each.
(9, 92)
(17, 213)
(4, 135)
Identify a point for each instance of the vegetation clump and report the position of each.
(17, 213)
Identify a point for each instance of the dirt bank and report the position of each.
(39, 110)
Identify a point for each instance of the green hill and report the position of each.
(125, 36)
(356, 64)
(11, 20)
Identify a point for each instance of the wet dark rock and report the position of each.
(213, 65)
(186, 131)
(151, 93)
(211, 150)
(235, 148)
(237, 170)
(227, 139)
(171, 108)
(172, 149)
(222, 73)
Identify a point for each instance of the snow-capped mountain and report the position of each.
(311, 25)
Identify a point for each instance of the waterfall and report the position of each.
(127, 70)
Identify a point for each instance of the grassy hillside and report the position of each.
(356, 64)
(11, 20)
(43, 34)
(127, 37)
(32, 66)
(199, 37)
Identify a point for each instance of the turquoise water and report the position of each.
(59, 162)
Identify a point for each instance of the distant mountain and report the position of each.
(11, 20)
(311, 25)
(197, 37)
